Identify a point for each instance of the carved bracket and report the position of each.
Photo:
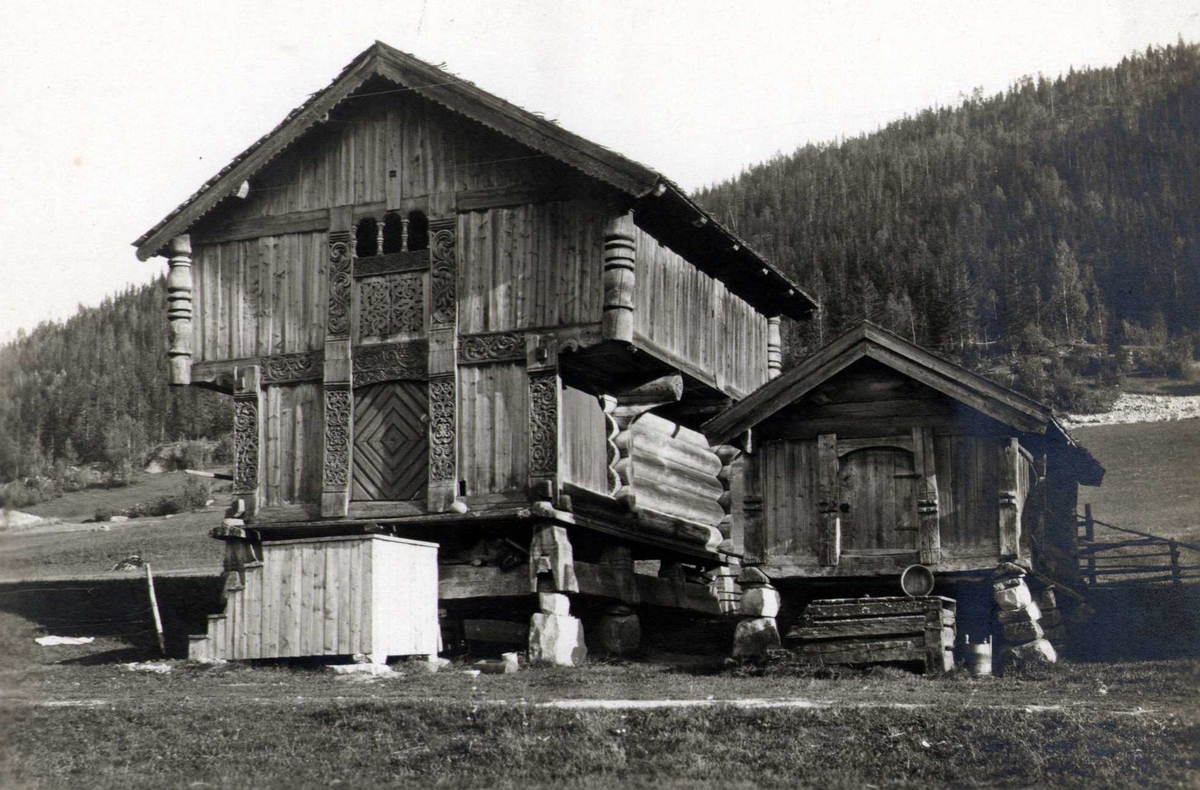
(286, 368)
(491, 347)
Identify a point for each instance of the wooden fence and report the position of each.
(1119, 556)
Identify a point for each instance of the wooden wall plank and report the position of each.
(584, 450)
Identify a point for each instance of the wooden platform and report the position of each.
(875, 630)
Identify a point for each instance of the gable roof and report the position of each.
(868, 341)
(660, 206)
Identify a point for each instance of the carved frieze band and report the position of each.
(392, 263)
(391, 361)
(286, 368)
(543, 424)
(245, 443)
(442, 420)
(491, 347)
(442, 273)
(341, 256)
(338, 406)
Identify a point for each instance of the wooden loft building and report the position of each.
(874, 455)
(442, 318)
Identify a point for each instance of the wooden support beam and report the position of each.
(179, 310)
(616, 562)
(338, 373)
(619, 278)
(1010, 508)
(929, 537)
(828, 502)
(443, 365)
(545, 416)
(248, 426)
(551, 560)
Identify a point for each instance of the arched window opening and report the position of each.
(366, 237)
(418, 231)
(393, 234)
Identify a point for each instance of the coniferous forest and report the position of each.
(1061, 211)
(1007, 232)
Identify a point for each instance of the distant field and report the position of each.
(81, 505)
(1153, 478)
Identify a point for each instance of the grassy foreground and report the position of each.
(75, 717)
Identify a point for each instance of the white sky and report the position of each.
(119, 110)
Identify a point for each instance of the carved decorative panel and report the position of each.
(385, 362)
(337, 437)
(493, 347)
(341, 252)
(441, 429)
(245, 444)
(390, 304)
(284, 368)
(543, 425)
(442, 273)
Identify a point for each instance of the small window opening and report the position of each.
(393, 234)
(418, 231)
(366, 237)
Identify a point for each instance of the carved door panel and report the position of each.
(391, 441)
(878, 500)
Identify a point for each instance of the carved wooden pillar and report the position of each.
(829, 492)
(339, 392)
(929, 535)
(179, 309)
(443, 365)
(774, 349)
(247, 440)
(619, 277)
(545, 415)
(1010, 510)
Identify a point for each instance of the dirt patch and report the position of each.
(1132, 408)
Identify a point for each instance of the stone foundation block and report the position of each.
(759, 602)
(618, 634)
(1036, 652)
(1026, 614)
(1022, 631)
(755, 637)
(554, 603)
(557, 639)
(1012, 596)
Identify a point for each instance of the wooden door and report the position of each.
(878, 500)
(391, 441)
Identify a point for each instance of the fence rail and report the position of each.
(1112, 559)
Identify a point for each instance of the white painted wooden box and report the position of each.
(369, 594)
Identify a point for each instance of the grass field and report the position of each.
(1153, 478)
(74, 717)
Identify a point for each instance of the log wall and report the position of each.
(687, 315)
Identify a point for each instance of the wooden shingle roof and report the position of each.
(660, 206)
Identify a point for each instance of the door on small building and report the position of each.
(391, 441)
(878, 500)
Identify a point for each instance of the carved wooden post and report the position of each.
(1010, 512)
(443, 365)
(379, 223)
(929, 536)
(619, 277)
(339, 385)
(829, 492)
(545, 415)
(774, 349)
(179, 309)
(247, 440)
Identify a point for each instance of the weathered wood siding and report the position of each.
(259, 297)
(968, 473)
(493, 428)
(584, 446)
(350, 159)
(294, 437)
(689, 316)
(534, 265)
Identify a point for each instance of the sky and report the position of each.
(119, 110)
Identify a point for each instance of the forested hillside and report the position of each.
(1063, 210)
(95, 388)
